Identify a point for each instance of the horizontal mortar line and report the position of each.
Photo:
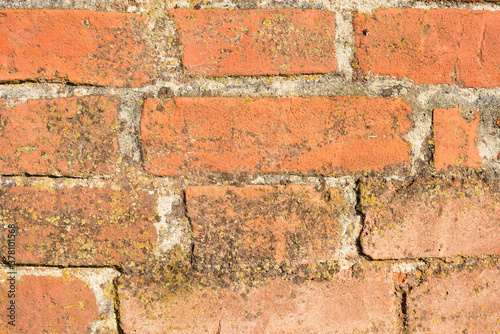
(324, 78)
(48, 176)
(60, 82)
(54, 266)
(249, 181)
(439, 4)
(234, 5)
(433, 259)
(194, 78)
(334, 74)
(232, 88)
(250, 178)
(111, 90)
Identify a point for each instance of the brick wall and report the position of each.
(249, 166)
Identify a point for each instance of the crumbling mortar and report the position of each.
(276, 86)
(116, 303)
(130, 114)
(190, 249)
(57, 266)
(405, 328)
(143, 6)
(411, 264)
(344, 43)
(51, 176)
(361, 215)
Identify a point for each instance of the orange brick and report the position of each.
(79, 46)
(255, 224)
(430, 218)
(399, 277)
(70, 136)
(361, 304)
(456, 301)
(78, 226)
(430, 47)
(319, 135)
(455, 139)
(256, 42)
(45, 304)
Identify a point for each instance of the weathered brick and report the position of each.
(77, 225)
(455, 139)
(431, 46)
(456, 301)
(255, 224)
(363, 303)
(74, 136)
(45, 304)
(256, 42)
(298, 135)
(430, 218)
(79, 46)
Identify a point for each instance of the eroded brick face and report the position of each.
(79, 46)
(45, 304)
(259, 225)
(362, 303)
(455, 139)
(430, 218)
(74, 136)
(78, 226)
(295, 135)
(456, 301)
(430, 47)
(256, 42)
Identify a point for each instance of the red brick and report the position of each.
(74, 136)
(46, 304)
(252, 224)
(431, 46)
(465, 301)
(455, 139)
(361, 304)
(79, 46)
(399, 277)
(78, 226)
(320, 135)
(256, 42)
(430, 218)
